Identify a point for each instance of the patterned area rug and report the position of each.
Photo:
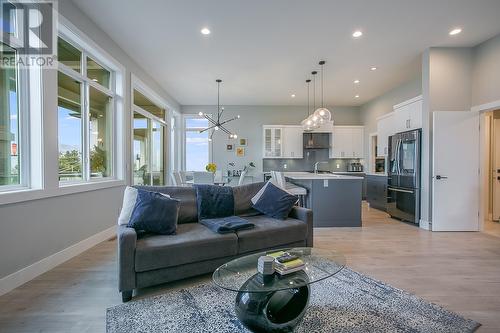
(346, 302)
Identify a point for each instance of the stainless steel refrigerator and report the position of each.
(403, 181)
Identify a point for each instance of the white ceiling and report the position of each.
(264, 50)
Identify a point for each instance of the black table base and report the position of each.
(274, 311)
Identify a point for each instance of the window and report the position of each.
(149, 131)
(85, 116)
(10, 148)
(197, 154)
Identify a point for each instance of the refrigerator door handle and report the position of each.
(399, 190)
(398, 166)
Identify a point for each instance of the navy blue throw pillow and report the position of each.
(275, 202)
(214, 201)
(154, 212)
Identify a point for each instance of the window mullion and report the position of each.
(85, 134)
(150, 150)
(23, 127)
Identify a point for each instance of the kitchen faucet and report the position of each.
(316, 166)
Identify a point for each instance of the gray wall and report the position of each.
(250, 127)
(383, 105)
(486, 72)
(33, 230)
(450, 79)
(447, 74)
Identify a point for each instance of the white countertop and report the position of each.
(319, 176)
(380, 174)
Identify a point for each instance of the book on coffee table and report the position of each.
(288, 267)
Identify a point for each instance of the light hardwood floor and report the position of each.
(460, 271)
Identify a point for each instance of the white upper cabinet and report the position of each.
(272, 140)
(405, 117)
(347, 142)
(385, 128)
(408, 115)
(282, 141)
(293, 143)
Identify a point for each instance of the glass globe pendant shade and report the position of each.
(324, 113)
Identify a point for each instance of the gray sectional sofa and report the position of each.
(146, 260)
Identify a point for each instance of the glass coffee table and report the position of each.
(275, 303)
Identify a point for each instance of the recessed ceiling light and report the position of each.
(357, 96)
(455, 31)
(373, 68)
(205, 31)
(292, 95)
(357, 34)
(356, 81)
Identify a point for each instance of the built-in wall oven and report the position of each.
(403, 181)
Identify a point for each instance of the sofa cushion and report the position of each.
(270, 232)
(275, 202)
(214, 201)
(154, 212)
(193, 242)
(243, 195)
(186, 195)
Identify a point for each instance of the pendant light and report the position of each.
(312, 121)
(322, 113)
(303, 123)
(314, 118)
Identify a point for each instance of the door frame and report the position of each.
(483, 158)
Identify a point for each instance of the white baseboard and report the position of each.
(425, 225)
(26, 274)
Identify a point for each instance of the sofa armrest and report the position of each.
(305, 215)
(127, 239)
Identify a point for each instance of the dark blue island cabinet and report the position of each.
(334, 199)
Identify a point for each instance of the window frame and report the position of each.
(86, 83)
(185, 129)
(42, 153)
(146, 91)
(24, 82)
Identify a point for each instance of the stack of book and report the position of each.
(286, 267)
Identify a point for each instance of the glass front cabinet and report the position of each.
(273, 137)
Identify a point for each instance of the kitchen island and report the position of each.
(334, 199)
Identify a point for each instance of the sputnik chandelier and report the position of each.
(216, 124)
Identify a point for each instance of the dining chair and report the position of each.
(176, 178)
(218, 177)
(241, 180)
(202, 177)
(183, 176)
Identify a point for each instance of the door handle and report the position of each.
(399, 190)
(439, 177)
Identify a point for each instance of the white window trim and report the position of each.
(29, 127)
(89, 49)
(192, 129)
(43, 175)
(144, 89)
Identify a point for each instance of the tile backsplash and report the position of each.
(311, 156)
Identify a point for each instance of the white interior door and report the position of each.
(496, 169)
(455, 184)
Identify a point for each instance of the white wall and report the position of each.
(33, 230)
(486, 72)
(447, 74)
(383, 105)
(249, 126)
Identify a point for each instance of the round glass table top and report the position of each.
(241, 274)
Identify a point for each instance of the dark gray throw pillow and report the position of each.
(154, 212)
(275, 202)
(214, 201)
